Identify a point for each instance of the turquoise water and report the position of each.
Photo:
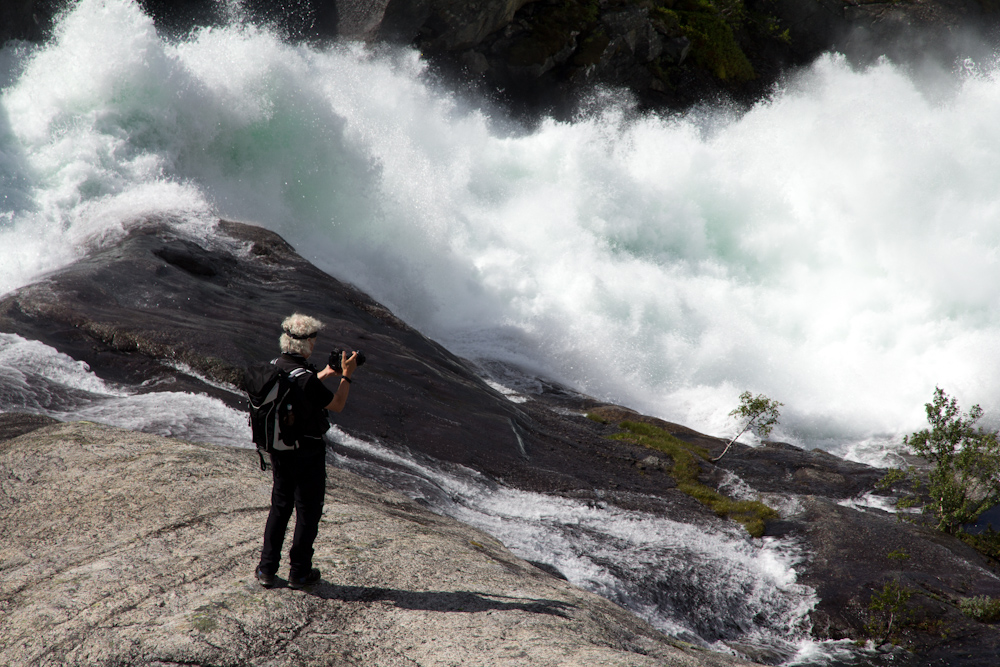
(835, 247)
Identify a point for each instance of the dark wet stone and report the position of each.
(783, 468)
(135, 309)
(854, 554)
(13, 424)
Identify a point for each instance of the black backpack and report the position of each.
(275, 399)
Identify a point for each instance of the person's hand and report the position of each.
(348, 363)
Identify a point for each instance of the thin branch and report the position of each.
(735, 437)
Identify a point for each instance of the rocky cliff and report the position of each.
(549, 55)
(120, 548)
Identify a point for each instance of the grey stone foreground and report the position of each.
(123, 548)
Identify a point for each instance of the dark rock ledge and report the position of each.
(134, 308)
(549, 56)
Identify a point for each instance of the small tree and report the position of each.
(760, 413)
(966, 462)
(887, 611)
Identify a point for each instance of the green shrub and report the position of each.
(981, 608)
(965, 460)
(888, 612)
(761, 415)
(714, 47)
(986, 543)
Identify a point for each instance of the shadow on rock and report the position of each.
(444, 601)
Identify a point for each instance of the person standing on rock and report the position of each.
(300, 474)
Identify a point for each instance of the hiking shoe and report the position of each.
(263, 578)
(303, 580)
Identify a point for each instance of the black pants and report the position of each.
(299, 483)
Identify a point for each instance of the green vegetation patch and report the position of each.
(710, 27)
(982, 608)
(752, 514)
(889, 612)
(899, 554)
(986, 543)
(203, 621)
(721, 32)
(965, 461)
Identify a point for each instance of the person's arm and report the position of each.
(349, 364)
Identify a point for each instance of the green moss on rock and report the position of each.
(752, 514)
(591, 48)
(981, 608)
(710, 27)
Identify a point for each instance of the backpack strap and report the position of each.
(298, 371)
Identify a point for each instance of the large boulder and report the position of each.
(135, 309)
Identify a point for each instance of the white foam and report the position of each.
(664, 263)
(89, 144)
(690, 581)
(874, 501)
(836, 652)
(510, 394)
(193, 417)
(38, 379)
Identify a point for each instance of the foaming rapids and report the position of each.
(38, 379)
(833, 247)
(711, 586)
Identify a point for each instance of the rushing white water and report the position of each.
(35, 378)
(834, 247)
(706, 585)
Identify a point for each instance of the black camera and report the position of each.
(334, 360)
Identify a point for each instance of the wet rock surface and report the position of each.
(856, 553)
(136, 310)
(126, 548)
(13, 424)
(157, 310)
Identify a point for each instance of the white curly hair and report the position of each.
(296, 332)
